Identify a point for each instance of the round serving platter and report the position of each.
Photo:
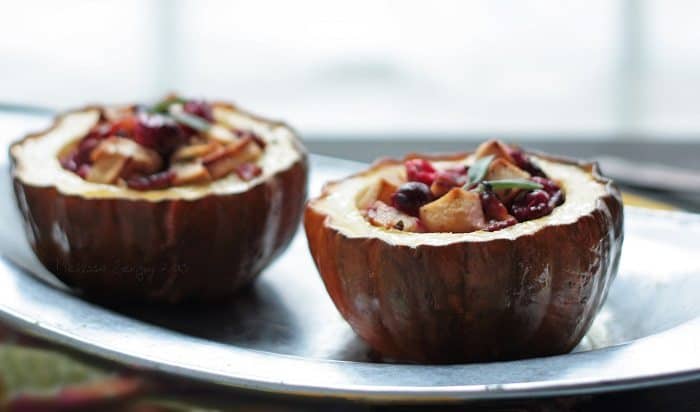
(284, 335)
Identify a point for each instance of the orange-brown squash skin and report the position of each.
(472, 301)
(121, 249)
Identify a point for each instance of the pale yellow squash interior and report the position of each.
(582, 190)
(38, 164)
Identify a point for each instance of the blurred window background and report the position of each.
(579, 69)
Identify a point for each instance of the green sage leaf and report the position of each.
(195, 122)
(512, 184)
(163, 106)
(478, 170)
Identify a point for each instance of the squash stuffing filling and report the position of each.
(174, 142)
(501, 187)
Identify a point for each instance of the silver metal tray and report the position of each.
(284, 335)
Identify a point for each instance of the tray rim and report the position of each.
(368, 393)
(373, 393)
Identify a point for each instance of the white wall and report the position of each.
(595, 67)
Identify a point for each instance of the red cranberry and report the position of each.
(242, 134)
(446, 180)
(420, 170)
(81, 155)
(523, 161)
(124, 127)
(556, 196)
(155, 181)
(531, 205)
(247, 171)
(411, 196)
(70, 162)
(556, 199)
(200, 108)
(493, 207)
(495, 225)
(547, 185)
(158, 132)
(83, 171)
(85, 148)
(101, 131)
(73, 164)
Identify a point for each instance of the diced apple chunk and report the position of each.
(189, 173)
(225, 160)
(141, 159)
(445, 180)
(106, 169)
(221, 134)
(195, 150)
(115, 113)
(458, 211)
(497, 148)
(381, 190)
(382, 215)
(367, 196)
(395, 177)
(502, 169)
(386, 191)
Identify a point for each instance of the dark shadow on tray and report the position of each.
(255, 318)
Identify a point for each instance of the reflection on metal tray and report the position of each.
(284, 334)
